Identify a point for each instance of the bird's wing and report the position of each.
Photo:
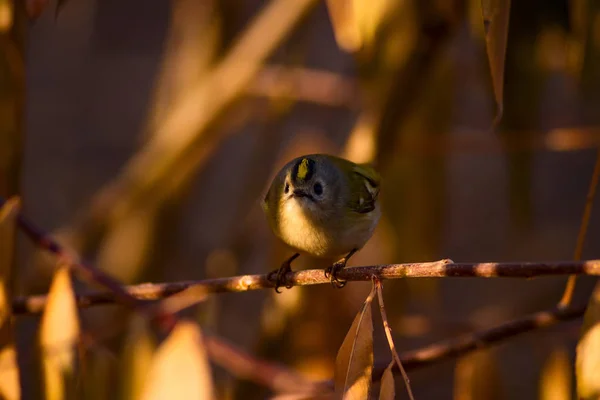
(367, 186)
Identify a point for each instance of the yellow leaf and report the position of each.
(476, 377)
(9, 378)
(587, 361)
(97, 375)
(495, 15)
(59, 335)
(180, 368)
(556, 376)
(354, 361)
(8, 226)
(388, 385)
(345, 28)
(356, 22)
(138, 352)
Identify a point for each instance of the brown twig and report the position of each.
(278, 378)
(163, 315)
(585, 219)
(85, 270)
(439, 269)
(388, 334)
(465, 343)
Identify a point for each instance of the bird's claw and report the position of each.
(332, 271)
(278, 276)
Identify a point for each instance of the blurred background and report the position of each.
(153, 128)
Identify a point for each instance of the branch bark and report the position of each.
(244, 283)
(463, 344)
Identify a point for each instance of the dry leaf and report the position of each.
(97, 377)
(345, 28)
(587, 362)
(476, 376)
(9, 379)
(356, 22)
(137, 356)
(354, 361)
(388, 385)
(59, 335)
(6, 15)
(8, 217)
(180, 368)
(556, 376)
(495, 15)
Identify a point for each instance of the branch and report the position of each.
(585, 220)
(437, 269)
(388, 334)
(465, 343)
(275, 376)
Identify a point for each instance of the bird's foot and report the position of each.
(332, 271)
(278, 276)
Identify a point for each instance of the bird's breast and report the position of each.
(328, 238)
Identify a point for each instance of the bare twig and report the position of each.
(277, 377)
(463, 344)
(86, 271)
(388, 334)
(163, 314)
(585, 219)
(443, 268)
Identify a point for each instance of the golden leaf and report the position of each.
(9, 379)
(556, 376)
(587, 361)
(354, 361)
(59, 334)
(495, 15)
(138, 351)
(356, 22)
(388, 385)
(180, 368)
(476, 376)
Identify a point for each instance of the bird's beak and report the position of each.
(300, 193)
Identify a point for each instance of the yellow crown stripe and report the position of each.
(303, 169)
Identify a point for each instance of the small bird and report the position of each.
(324, 206)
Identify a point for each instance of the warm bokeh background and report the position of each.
(417, 100)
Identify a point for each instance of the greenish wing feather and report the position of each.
(366, 182)
(369, 173)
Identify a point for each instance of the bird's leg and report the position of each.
(333, 270)
(278, 276)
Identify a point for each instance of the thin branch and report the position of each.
(463, 344)
(585, 219)
(388, 334)
(278, 378)
(244, 283)
(163, 316)
(86, 271)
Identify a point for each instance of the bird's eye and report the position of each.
(286, 190)
(318, 189)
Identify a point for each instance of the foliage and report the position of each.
(408, 85)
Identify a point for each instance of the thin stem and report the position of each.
(464, 344)
(388, 334)
(585, 219)
(162, 314)
(243, 283)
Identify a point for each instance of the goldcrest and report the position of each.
(324, 206)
